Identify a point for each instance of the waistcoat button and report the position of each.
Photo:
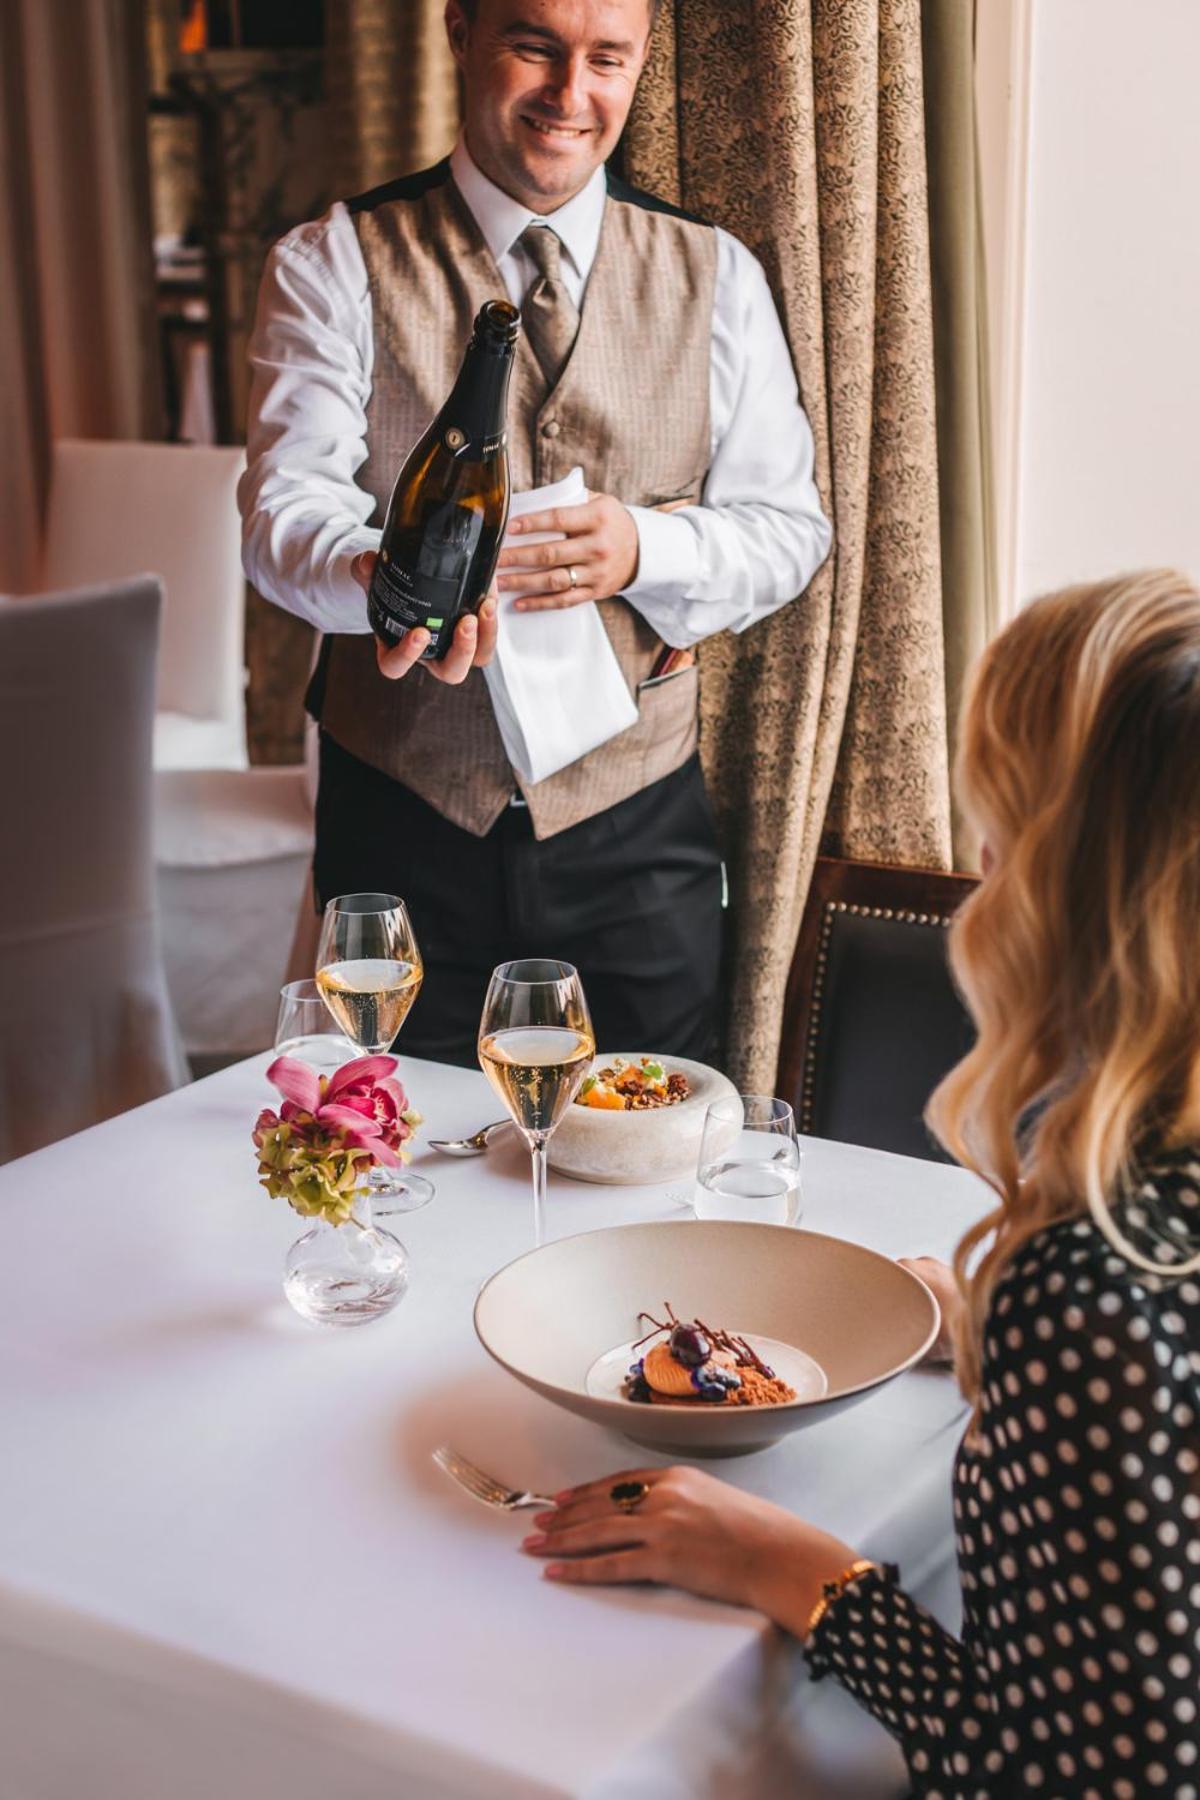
(551, 428)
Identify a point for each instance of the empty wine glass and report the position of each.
(749, 1164)
(536, 1044)
(302, 1029)
(369, 972)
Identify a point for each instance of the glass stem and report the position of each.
(538, 1152)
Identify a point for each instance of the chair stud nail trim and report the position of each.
(832, 908)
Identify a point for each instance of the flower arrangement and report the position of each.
(330, 1130)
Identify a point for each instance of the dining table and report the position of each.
(229, 1566)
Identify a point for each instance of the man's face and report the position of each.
(548, 85)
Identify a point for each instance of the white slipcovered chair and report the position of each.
(86, 1025)
(234, 853)
(232, 843)
(117, 508)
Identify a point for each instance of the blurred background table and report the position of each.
(228, 1565)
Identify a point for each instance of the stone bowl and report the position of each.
(555, 1317)
(633, 1149)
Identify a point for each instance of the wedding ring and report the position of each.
(627, 1496)
(571, 575)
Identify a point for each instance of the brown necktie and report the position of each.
(548, 312)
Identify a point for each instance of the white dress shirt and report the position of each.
(755, 541)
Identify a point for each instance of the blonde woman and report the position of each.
(1075, 1307)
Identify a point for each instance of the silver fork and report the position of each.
(483, 1486)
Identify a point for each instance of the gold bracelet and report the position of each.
(830, 1591)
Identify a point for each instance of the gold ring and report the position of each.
(571, 575)
(627, 1496)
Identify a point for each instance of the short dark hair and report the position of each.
(471, 7)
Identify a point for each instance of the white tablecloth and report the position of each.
(228, 1567)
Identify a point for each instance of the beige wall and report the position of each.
(1107, 434)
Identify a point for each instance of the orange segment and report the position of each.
(603, 1100)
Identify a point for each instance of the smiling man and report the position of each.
(652, 356)
(542, 140)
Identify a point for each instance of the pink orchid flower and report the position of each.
(366, 1087)
(359, 1101)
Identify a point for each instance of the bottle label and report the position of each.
(393, 592)
(434, 588)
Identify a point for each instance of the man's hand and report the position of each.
(474, 640)
(600, 545)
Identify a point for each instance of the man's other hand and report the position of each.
(474, 639)
(599, 545)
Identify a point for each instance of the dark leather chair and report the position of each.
(872, 1020)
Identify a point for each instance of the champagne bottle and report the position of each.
(449, 507)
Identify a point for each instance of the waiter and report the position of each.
(652, 355)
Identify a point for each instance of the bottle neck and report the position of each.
(478, 401)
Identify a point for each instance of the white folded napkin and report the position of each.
(556, 685)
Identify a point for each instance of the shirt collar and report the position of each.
(502, 219)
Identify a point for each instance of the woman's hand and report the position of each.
(693, 1532)
(474, 638)
(939, 1278)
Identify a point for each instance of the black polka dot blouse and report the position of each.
(1077, 1510)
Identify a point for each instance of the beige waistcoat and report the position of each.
(631, 405)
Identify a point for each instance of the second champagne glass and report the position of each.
(369, 972)
(536, 1044)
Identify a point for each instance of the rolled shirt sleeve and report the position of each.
(304, 518)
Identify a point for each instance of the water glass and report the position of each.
(304, 1029)
(749, 1164)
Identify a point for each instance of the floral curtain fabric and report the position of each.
(393, 89)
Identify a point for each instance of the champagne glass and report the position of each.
(749, 1163)
(369, 972)
(536, 1044)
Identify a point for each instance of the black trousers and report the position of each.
(632, 897)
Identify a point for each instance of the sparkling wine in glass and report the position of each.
(369, 973)
(536, 1044)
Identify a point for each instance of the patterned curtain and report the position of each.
(970, 603)
(393, 89)
(798, 125)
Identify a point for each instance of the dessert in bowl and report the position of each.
(631, 1138)
(831, 1320)
(688, 1362)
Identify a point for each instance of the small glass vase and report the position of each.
(346, 1274)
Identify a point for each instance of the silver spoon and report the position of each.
(475, 1145)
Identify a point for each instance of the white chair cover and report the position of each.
(233, 848)
(86, 1028)
(118, 508)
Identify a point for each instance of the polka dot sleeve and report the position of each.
(1078, 1517)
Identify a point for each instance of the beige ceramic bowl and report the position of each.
(551, 1316)
(630, 1149)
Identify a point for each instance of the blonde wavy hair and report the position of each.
(1079, 953)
